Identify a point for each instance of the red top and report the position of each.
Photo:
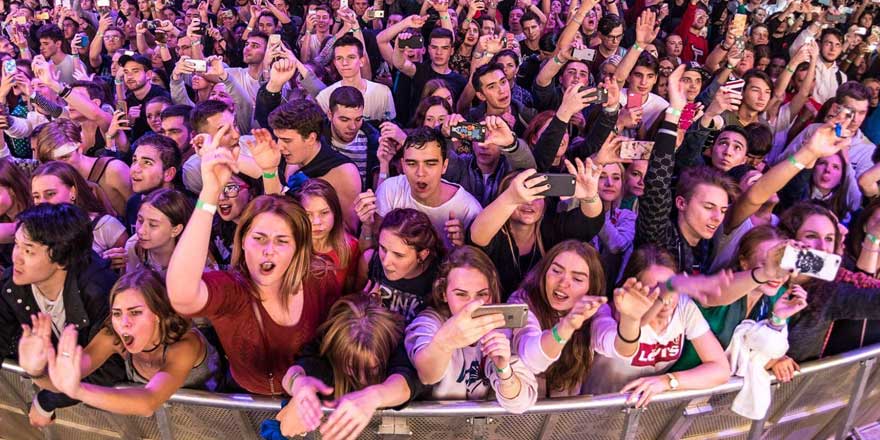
(695, 47)
(354, 255)
(230, 311)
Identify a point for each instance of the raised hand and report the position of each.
(633, 299)
(526, 187)
(825, 141)
(496, 346)
(586, 178)
(646, 28)
(582, 310)
(498, 132)
(725, 100)
(462, 330)
(218, 163)
(64, 367)
(791, 302)
(575, 99)
(610, 151)
(454, 230)
(34, 345)
(365, 207)
(677, 94)
(704, 288)
(264, 150)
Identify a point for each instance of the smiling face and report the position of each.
(399, 259)
(233, 199)
(321, 217)
(818, 232)
(465, 285)
(268, 249)
(566, 281)
(133, 321)
(828, 173)
(50, 189)
(701, 215)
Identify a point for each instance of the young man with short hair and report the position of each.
(692, 29)
(828, 74)
(349, 134)
(531, 28)
(439, 51)
(137, 72)
(422, 186)
(730, 149)
(51, 39)
(155, 164)
(298, 126)
(348, 58)
(610, 35)
(54, 271)
(493, 89)
(175, 125)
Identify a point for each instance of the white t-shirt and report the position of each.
(652, 108)
(106, 231)
(395, 192)
(656, 352)
(378, 101)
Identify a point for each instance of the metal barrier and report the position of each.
(828, 398)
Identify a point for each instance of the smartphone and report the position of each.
(736, 85)
(836, 18)
(20, 20)
(738, 26)
(816, 264)
(687, 116)
(40, 16)
(413, 42)
(469, 131)
(861, 31)
(84, 41)
(103, 3)
(198, 65)
(9, 67)
(583, 54)
(515, 315)
(151, 25)
(274, 40)
(845, 10)
(561, 185)
(636, 150)
(377, 14)
(633, 100)
(343, 4)
(601, 94)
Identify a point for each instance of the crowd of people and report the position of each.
(315, 199)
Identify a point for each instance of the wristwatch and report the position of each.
(673, 382)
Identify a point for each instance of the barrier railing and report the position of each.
(828, 398)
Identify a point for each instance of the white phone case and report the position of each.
(811, 262)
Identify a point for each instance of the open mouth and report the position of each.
(224, 208)
(559, 295)
(127, 339)
(267, 267)
(421, 186)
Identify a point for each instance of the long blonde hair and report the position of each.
(356, 333)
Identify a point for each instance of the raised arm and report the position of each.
(646, 31)
(186, 290)
(492, 218)
(97, 43)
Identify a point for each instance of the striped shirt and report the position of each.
(356, 150)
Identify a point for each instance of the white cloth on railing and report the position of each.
(753, 345)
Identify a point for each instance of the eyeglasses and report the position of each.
(112, 37)
(231, 190)
(613, 37)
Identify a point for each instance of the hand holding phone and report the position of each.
(561, 185)
(811, 262)
(636, 150)
(469, 131)
(515, 315)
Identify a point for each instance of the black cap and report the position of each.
(136, 57)
(693, 66)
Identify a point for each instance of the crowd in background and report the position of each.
(317, 200)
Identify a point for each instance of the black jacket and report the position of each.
(86, 304)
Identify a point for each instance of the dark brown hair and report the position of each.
(750, 241)
(172, 327)
(18, 186)
(416, 230)
(577, 357)
(793, 218)
(88, 196)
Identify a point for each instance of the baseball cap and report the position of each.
(136, 57)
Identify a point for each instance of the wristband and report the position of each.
(444, 17)
(777, 321)
(730, 66)
(794, 162)
(559, 339)
(789, 69)
(383, 175)
(249, 29)
(270, 175)
(502, 371)
(629, 341)
(673, 111)
(196, 41)
(208, 207)
(292, 380)
(668, 285)
(637, 47)
(557, 60)
(872, 238)
(726, 49)
(755, 279)
(589, 200)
